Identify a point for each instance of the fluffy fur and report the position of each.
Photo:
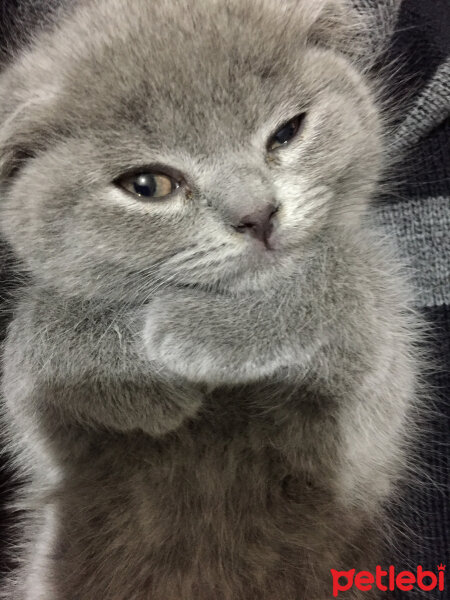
(198, 416)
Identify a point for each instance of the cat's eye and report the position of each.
(149, 185)
(286, 133)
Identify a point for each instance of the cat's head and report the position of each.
(191, 142)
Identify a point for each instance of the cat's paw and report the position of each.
(205, 345)
(176, 404)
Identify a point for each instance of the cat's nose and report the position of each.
(259, 223)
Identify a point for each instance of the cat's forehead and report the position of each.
(180, 69)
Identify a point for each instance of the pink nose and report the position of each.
(258, 224)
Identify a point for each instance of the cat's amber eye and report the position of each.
(149, 185)
(286, 133)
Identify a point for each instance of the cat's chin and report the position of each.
(251, 277)
(258, 281)
(237, 286)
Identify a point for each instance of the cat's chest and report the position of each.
(210, 476)
(203, 508)
(223, 463)
(265, 458)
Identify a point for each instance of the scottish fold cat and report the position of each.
(211, 372)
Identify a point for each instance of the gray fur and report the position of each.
(197, 416)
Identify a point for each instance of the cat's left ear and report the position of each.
(350, 27)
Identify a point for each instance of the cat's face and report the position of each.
(193, 143)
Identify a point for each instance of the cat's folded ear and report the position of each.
(360, 30)
(25, 117)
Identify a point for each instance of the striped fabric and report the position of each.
(417, 215)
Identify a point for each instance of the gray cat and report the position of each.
(211, 375)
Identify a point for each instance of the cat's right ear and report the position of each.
(24, 124)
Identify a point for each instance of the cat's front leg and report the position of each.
(67, 364)
(226, 340)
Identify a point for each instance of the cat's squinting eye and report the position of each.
(286, 133)
(148, 185)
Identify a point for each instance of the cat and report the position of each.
(212, 373)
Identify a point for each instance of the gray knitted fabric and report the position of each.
(417, 216)
(421, 225)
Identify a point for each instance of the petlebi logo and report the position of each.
(388, 580)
